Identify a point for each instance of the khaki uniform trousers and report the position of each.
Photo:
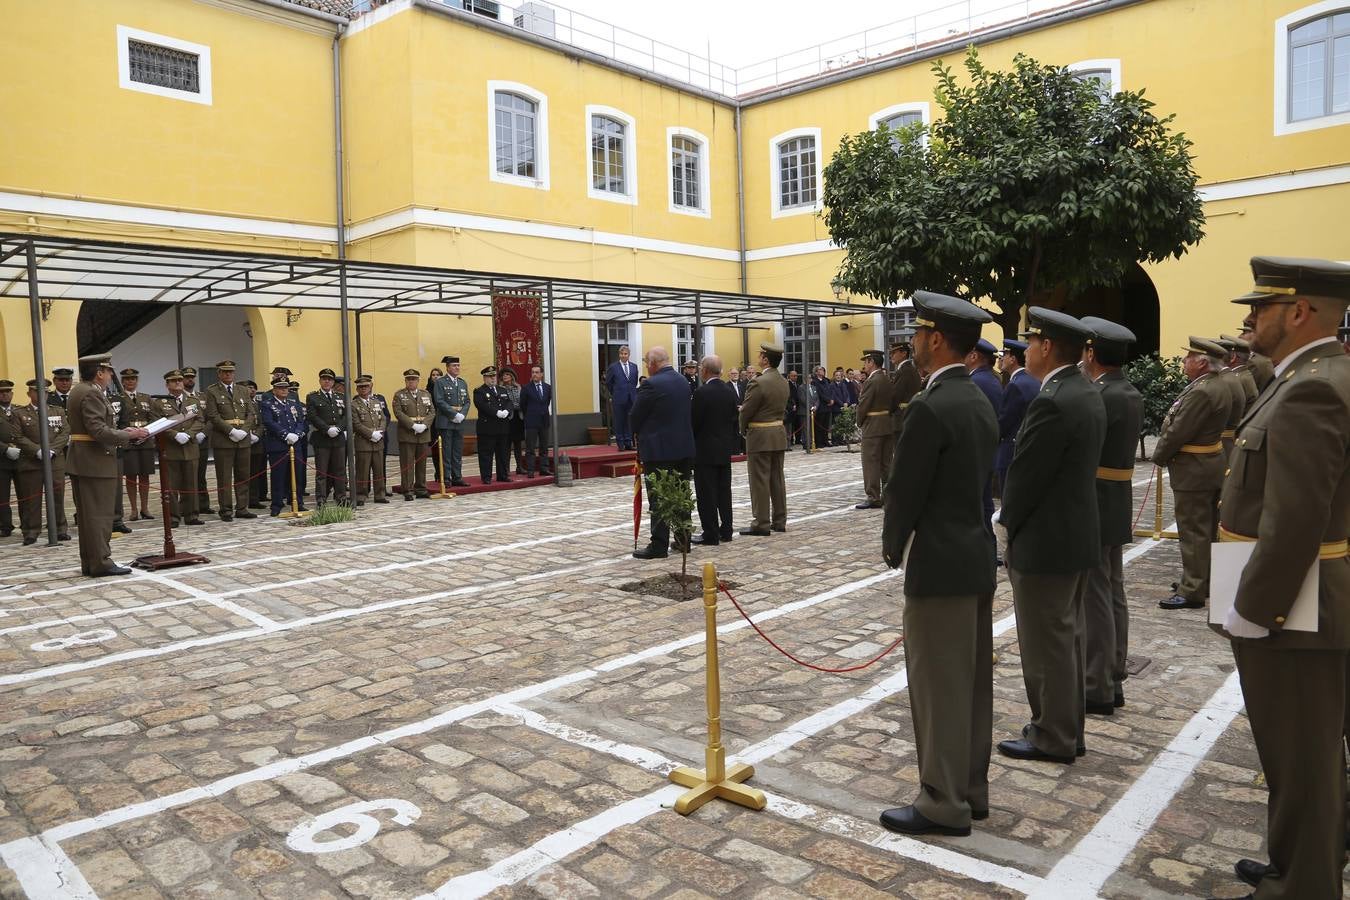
(179, 477)
(95, 499)
(32, 498)
(1296, 706)
(412, 466)
(767, 489)
(949, 650)
(233, 467)
(369, 471)
(1197, 524)
(1051, 642)
(1107, 627)
(876, 463)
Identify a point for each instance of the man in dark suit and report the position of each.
(494, 426)
(1054, 538)
(1106, 615)
(325, 411)
(662, 421)
(536, 406)
(1018, 393)
(933, 503)
(737, 386)
(715, 429)
(621, 380)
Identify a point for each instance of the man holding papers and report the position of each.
(934, 506)
(1287, 490)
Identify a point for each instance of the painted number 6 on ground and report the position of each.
(302, 837)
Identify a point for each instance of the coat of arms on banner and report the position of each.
(517, 330)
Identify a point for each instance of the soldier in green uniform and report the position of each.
(934, 526)
(1106, 614)
(1239, 361)
(1288, 491)
(199, 397)
(29, 427)
(450, 394)
(905, 383)
(1191, 448)
(230, 422)
(9, 457)
(875, 403)
(1237, 395)
(1263, 370)
(61, 386)
(138, 460)
(761, 421)
(325, 411)
(182, 450)
(257, 455)
(92, 463)
(415, 414)
(369, 423)
(1053, 533)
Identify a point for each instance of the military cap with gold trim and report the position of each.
(488, 370)
(7, 385)
(32, 384)
(280, 379)
(282, 370)
(942, 312)
(901, 345)
(225, 365)
(364, 379)
(173, 375)
(411, 373)
(1051, 324)
(876, 356)
(449, 360)
(102, 359)
(1228, 342)
(770, 347)
(130, 373)
(1104, 331)
(328, 373)
(1205, 347)
(189, 371)
(1280, 278)
(67, 371)
(249, 382)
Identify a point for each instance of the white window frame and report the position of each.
(1283, 124)
(1100, 65)
(875, 119)
(629, 156)
(541, 171)
(775, 194)
(126, 34)
(704, 209)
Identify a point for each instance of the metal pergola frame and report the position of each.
(46, 268)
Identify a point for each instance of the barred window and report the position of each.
(607, 155)
(163, 67)
(516, 118)
(684, 343)
(899, 325)
(797, 172)
(801, 346)
(684, 166)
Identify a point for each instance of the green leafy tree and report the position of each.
(1159, 382)
(672, 502)
(1031, 180)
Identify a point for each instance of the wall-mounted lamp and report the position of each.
(46, 309)
(844, 326)
(248, 329)
(840, 292)
(293, 316)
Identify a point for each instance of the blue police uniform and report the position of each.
(279, 418)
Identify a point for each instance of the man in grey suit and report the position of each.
(450, 394)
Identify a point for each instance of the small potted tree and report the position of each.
(844, 428)
(672, 502)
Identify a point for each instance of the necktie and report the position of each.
(540, 387)
(229, 389)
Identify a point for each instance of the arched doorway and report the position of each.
(1134, 304)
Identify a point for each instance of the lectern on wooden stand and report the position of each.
(170, 558)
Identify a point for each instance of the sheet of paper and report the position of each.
(904, 553)
(159, 425)
(1226, 562)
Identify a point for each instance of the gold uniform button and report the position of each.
(1279, 620)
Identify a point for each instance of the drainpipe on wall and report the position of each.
(340, 189)
(740, 223)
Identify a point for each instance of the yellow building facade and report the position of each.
(479, 144)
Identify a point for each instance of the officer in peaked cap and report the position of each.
(1263, 370)
(9, 456)
(61, 382)
(230, 423)
(283, 430)
(326, 413)
(980, 363)
(1106, 615)
(452, 399)
(763, 408)
(494, 426)
(190, 388)
(905, 383)
(1287, 491)
(934, 506)
(27, 430)
(1237, 395)
(875, 427)
(415, 414)
(1191, 447)
(138, 460)
(1018, 392)
(1239, 362)
(1054, 536)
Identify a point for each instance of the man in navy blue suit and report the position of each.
(716, 426)
(980, 364)
(662, 417)
(536, 406)
(1021, 388)
(621, 380)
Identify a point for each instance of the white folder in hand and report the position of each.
(1226, 562)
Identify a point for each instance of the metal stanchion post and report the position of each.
(439, 447)
(295, 511)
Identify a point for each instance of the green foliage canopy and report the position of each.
(1159, 382)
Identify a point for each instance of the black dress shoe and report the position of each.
(459, 482)
(1080, 751)
(6, 532)
(63, 537)
(121, 529)
(778, 528)
(1176, 601)
(27, 541)
(908, 820)
(382, 500)
(193, 522)
(979, 815)
(867, 504)
(754, 532)
(146, 515)
(274, 513)
(227, 517)
(1249, 871)
(726, 538)
(112, 570)
(650, 552)
(1022, 748)
(244, 514)
(505, 479)
(705, 541)
(257, 505)
(1120, 699)
(1101, 709)
(208, 510)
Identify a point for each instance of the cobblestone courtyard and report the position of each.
(453, 698)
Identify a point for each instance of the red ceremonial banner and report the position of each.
(518, 333)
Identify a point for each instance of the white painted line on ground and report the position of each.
(1084, 870)
(89, 617)
(44, 871)
(1140, 549)
(638, 756)
(233, 609)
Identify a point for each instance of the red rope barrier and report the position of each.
(1148, 490)
(721, 586)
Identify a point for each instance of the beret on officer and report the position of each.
(1051, 324)
(947, 314)
(411, 373)
(1104, 331)
(1279, 279)
(1205, 347)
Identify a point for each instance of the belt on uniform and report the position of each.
(82, 437)
(884, 412)
(1202, 449)
(1229, 433)
(233, 421)
(1329, 550)
(766, 424)
(903, 405)
(1108, 474)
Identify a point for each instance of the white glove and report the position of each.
(1240, 627)
(253, 439)
(332, 431)
(237, 434)
(37, 454)
(201, 437)
(377, 436)
(51, 454)
(503, 413)
(419, 427)
(459, 417)
(292, 438)
(12, 452)
(182, 437)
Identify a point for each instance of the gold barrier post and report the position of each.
(438, 446)
(715, 780)
(810, 442)
(1156, 532)
(295, 511)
